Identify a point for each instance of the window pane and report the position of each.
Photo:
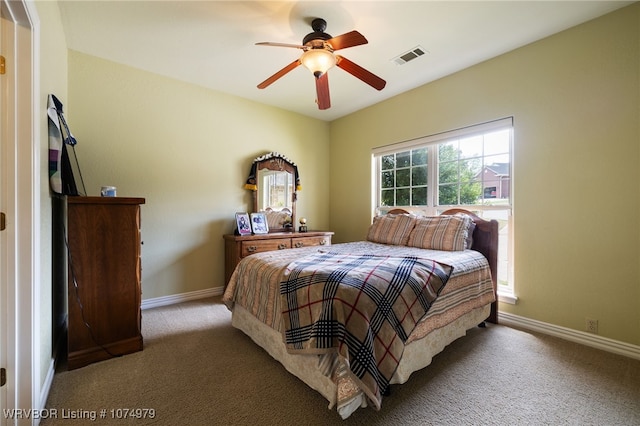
(448, 172)
(470, 169)
(403, 177)
(495, 178)
(387, 197)
(388, 179)
(471, 193)
(419, 157)
(403, 159)
(419, 196)
(470, 147)
(496, 142)
(388, 162)
(447, 194)
(448, 151)
(402, 197)
(497, 193)
(419, 175)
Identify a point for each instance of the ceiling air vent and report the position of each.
(409, 55)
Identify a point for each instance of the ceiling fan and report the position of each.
(318, 56)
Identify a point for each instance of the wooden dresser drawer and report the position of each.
(310, 241)
(237, 247)
(258, 246)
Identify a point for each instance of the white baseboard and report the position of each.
(182, 297)
(45, 389)
(584, 338)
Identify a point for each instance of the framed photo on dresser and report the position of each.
(243, 223)
(259, 223)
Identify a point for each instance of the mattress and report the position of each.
(253, 296)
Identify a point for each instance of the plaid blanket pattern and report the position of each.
(361, 306)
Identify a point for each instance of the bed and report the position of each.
(352, 319)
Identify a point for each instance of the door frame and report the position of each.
(22, 207)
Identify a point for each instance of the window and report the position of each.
(404, 178)
(470, 168)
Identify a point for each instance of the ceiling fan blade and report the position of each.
(268, 43)
(279, 74)
(349, 39)
(361, 73)
(322, 91)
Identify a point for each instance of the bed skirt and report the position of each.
(417, 354)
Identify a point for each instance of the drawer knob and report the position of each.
(299, 244)
(323, 242)
(252, 249)
(282, 246)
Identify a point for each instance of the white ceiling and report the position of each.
(212, 43)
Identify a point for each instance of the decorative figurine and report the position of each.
(303, 225)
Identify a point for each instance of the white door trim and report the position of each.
(5, 322)
(23, 214)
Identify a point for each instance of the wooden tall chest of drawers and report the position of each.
(237, 247)
(104, 278)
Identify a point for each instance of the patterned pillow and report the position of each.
(391, 229)
(448, 233)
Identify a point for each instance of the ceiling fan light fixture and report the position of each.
(318, 61)
(318, 56)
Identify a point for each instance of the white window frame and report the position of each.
(506, 292)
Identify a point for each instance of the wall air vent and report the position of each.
(409, 55)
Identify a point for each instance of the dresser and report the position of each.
(237, 247)
(104, 278)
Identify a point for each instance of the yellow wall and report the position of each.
(188, 151)
(575, 99)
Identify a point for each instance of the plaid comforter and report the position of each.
(364, 307)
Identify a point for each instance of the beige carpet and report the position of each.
(196, 369)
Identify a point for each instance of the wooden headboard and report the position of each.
(485, 241)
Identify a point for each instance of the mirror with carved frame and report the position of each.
(274, 183)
